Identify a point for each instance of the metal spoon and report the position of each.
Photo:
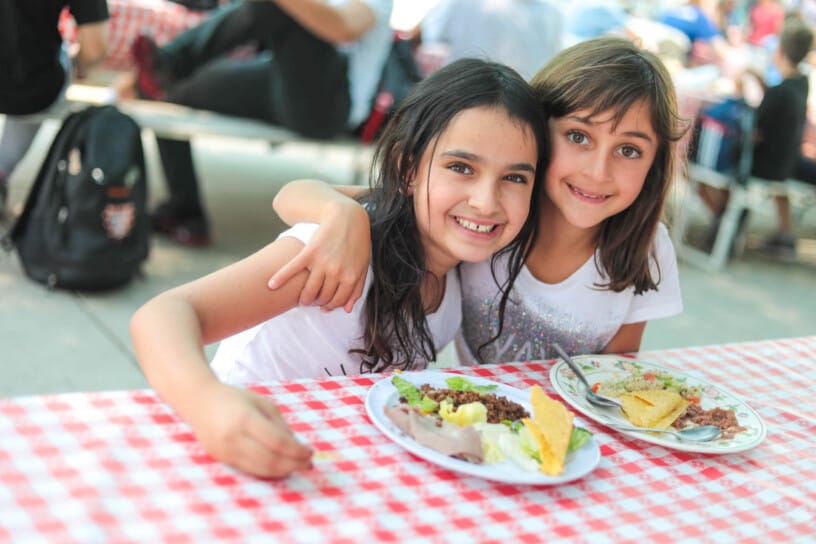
(591, 396)
(703, 433)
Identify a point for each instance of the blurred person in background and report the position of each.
(523, 34)
(316, 72)
(708, 45)
(36, 67)
(778, 133)
(765, 19)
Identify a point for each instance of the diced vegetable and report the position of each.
(466, 414)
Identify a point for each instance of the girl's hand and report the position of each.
(337, 258)
(246, 431)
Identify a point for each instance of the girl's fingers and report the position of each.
(268, 428)
(312, 288)
(289, 270)
(254, 458)
(327, 297)
(355, 295)
(340, 298)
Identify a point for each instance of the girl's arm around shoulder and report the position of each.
(169, 332)
(338, 255)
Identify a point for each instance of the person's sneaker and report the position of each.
(781, 244)
(151, 77)
(188, 229)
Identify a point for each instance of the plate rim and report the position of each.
(707, 448)
(387, 428)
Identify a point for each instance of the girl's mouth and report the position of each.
(475, 227)
(584, 195)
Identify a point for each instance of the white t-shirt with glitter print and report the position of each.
(573, 313)
(306, 342)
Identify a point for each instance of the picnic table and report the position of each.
(120, 466)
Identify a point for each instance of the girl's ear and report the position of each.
(409, 187)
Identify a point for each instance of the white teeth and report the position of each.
(580, 192)
(474, 226)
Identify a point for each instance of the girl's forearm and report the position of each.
(167, 338)
(309, 200)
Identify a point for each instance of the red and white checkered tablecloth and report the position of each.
(121, 467)
(162, 19)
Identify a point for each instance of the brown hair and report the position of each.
(795, 39)
(612, 74)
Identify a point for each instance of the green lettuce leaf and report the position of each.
(460, 383)
(578, 438)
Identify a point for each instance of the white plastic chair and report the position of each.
(738, 202)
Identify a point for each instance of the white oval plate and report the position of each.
(602, 368)
(383, 394)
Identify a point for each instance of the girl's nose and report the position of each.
(599, 167)
(484, 196)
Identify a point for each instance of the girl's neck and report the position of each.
(561, 248)
(432, 291)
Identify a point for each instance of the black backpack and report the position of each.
(85, 223)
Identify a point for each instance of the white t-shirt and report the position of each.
(523, 34)
(366, 58)
(579, 317)
(306, 342)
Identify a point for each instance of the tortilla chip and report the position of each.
(655, 409)
(551, 427)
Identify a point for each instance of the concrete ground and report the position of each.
(60, 341)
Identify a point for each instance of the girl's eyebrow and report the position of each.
(629, 133)
(638, 134)
(466, 155)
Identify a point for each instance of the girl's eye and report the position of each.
(460, 168)
(577, 137)
(630, 152)
(516, 178)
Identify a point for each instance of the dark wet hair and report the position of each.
(396, 329)
(612, 74)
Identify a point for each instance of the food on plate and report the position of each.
(723, 418)
(654, 400)
(552, 428)
(653, 408)
(472, 423)
(636, 380)
(462, 442)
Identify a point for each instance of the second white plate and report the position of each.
(603, 368)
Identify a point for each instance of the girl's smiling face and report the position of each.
(473, 196)
(598, 168)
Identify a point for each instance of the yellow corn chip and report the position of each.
(655, 409)
(551, 426)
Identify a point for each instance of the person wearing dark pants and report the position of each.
(315, 72)
(36, 68)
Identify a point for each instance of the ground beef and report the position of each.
(723, 418)
(498, 408)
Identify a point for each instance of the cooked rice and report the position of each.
(635, 381)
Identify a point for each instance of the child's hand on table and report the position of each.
(246, 431)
